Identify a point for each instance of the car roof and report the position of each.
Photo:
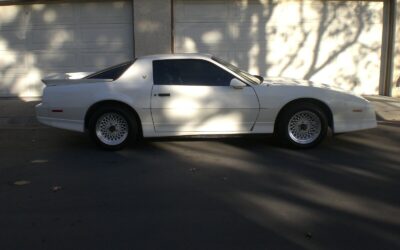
(177, 56)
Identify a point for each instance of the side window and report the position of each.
(165, 73)
(194, 72)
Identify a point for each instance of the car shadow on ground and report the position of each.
(342, 191)
(341, 194)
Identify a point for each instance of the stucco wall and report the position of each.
(152, 20)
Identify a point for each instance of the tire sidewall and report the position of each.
(132, 126)
(288, 114)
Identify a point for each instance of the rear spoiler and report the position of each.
(70, 78)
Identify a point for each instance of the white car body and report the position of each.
(194, 110)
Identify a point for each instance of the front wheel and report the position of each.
(302, 126)
(112, 127)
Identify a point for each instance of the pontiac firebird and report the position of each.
(196, 94)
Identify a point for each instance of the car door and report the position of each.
(192, 96)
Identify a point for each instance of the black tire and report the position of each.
(120, 113)
(295, 139)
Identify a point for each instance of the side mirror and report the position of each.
(237, 84)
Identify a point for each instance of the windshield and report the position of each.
(247, 76)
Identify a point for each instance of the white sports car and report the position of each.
(196, 94)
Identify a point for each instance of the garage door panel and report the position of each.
(202, 11)
(91, 62)
(53, 60)
(10, 70)
(45, 14)
(276, 12)
(8, 82)
(113, 12)
(39, 39)
(12, 61)
(10, 15)
(52, 38)
(11, 38)
(206, 33)
(373, 12)
(316, 40)
(255, 12)
(107, 37)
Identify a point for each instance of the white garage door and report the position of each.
(39, 39)
(335, 42)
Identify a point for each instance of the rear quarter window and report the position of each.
(113, 72)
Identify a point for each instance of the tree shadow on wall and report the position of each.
(333, 42)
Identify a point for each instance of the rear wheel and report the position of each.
(304, 125)
(112, 127)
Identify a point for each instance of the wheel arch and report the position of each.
(325, 108)
(103, 103)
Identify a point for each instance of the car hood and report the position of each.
(295, 82)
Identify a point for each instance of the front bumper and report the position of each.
(354, 120)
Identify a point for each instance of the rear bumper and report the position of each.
(44, 116)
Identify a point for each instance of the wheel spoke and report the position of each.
(304, 127)
(112, 129)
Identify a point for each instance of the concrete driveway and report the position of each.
(58, 191)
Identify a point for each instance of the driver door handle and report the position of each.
(164, 94)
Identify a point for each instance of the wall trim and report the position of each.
(387, 52)
(172, 27)
(18, 2)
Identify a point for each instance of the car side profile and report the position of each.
(196, 94)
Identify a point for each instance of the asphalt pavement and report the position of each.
(58, 191)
